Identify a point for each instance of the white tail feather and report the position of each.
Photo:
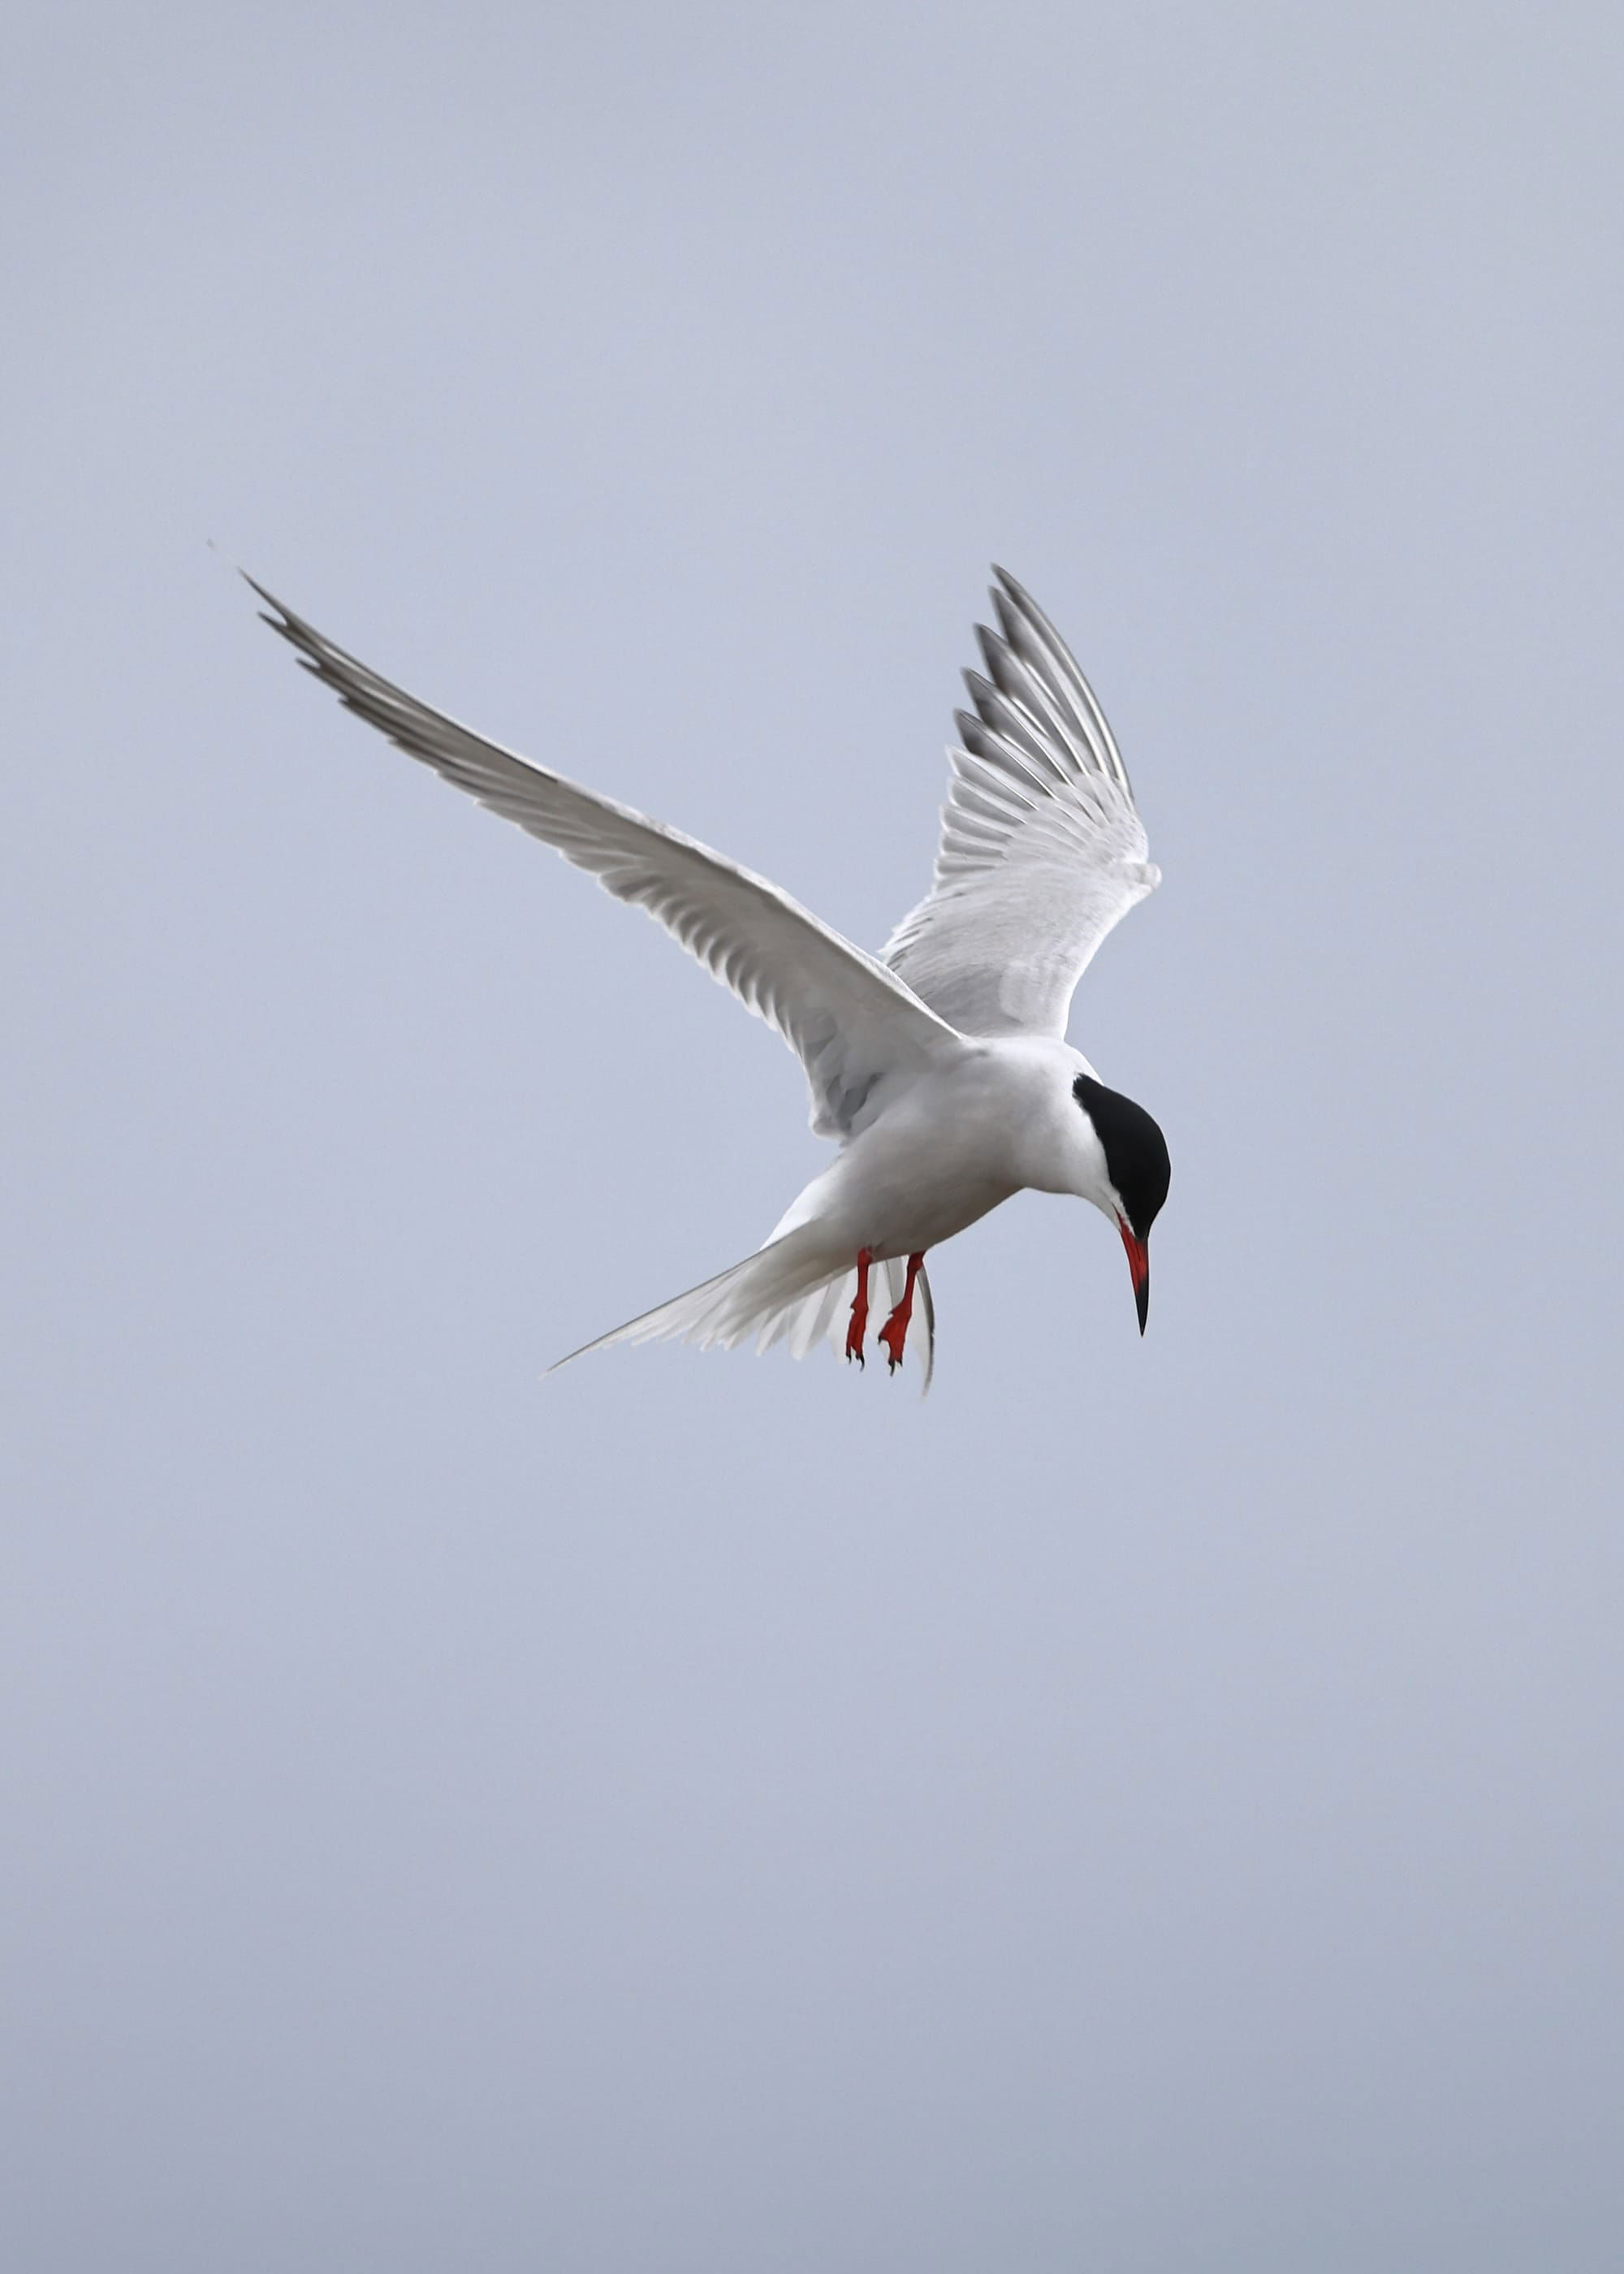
(783, 1292)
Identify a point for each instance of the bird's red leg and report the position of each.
(894, 1333)
(859, 1326)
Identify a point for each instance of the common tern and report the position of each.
(941, 1066)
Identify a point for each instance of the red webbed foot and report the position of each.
(894, 1333)
(859, 1326)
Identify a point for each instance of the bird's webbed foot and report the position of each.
(894, 1333)
(859, 1326)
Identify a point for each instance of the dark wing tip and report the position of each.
(284, 620)
(317, 653)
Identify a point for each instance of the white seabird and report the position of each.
(940, 1066)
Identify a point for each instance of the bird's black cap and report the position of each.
(1136, 1153)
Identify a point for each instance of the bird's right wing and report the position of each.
(850, 1020)
(1041, 849)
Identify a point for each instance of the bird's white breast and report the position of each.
(963, 1138)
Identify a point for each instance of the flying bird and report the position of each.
(940, 1066)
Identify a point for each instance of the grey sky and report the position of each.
(1154, 1807)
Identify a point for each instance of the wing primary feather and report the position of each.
(979, 741)
(1016, 724)
(1020, 682)
(1047, 643)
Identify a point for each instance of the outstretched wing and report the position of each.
(1043, 849)
(848, 1019)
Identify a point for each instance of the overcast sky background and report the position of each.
(1151, 1807)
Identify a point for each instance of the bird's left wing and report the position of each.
(850, 1020)
(1043, 849)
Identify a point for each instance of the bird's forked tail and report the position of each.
(785, 1293)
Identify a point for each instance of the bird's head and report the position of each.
(1126, 1174)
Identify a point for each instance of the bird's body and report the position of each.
(942, 1069)
(963, 1138)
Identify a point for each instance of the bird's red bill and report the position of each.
(1139, 1264)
